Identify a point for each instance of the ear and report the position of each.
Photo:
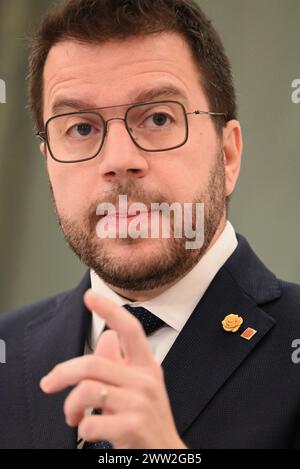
(232, 147)
(43, 149)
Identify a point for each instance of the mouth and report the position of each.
(124, 215)
(129, 220)
(128, 211)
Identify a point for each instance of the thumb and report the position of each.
(108, 346)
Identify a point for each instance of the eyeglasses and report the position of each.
(152, 126)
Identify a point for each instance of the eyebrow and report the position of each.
(167, 91)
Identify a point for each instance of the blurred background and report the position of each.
(262, 39)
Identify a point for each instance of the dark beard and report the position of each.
(170, 260)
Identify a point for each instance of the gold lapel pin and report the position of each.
(232, 323)
(248, 333)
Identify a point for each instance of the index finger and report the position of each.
(132, 338)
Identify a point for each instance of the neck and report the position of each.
(148, 295)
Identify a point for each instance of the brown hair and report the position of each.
(97, 21)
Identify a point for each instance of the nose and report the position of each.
(120, 157)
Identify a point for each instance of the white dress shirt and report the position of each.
(175, 305)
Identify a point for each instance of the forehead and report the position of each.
(114, 72)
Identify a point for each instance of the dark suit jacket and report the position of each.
(225, 391)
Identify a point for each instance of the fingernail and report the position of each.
(44, 384)
(70, 422)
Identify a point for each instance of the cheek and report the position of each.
(201, 159)
(178, 181)
(186, 172)
(71, 188)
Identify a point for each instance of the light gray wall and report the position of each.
(262, 38)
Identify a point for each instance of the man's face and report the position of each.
(112, 74)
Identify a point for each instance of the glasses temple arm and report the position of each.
(197, 112)
(41, 135)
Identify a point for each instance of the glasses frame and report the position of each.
(44, 135)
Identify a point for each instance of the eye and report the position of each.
(159, 119)
(82, 129)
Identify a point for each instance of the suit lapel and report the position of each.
(204, 356)
(55, 337)
(200, 362)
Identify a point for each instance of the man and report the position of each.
(135, 99)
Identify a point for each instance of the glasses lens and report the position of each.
(157, 126)
(75, 137)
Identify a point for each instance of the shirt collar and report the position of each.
(175, 305)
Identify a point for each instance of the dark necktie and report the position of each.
(150, 324)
